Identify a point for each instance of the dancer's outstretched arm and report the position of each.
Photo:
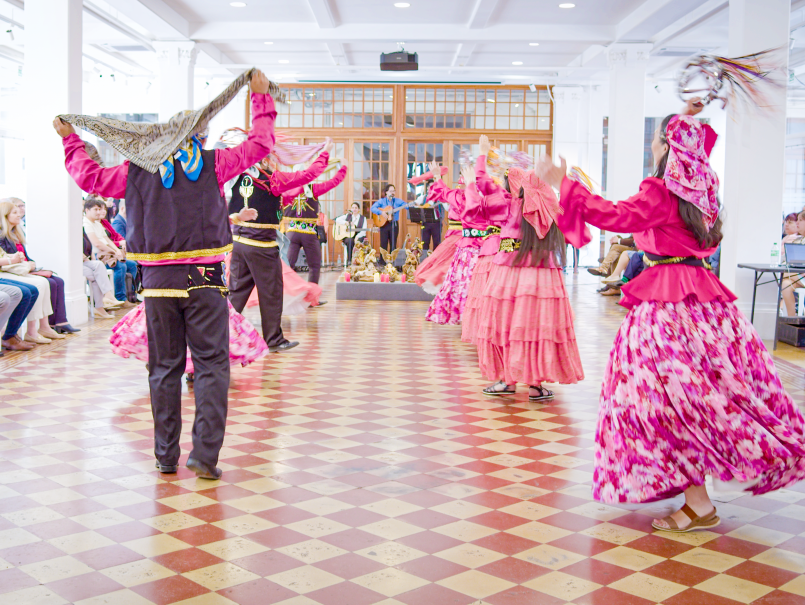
(86, 172)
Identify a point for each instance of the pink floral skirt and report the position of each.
(691, 391)
(297, 294)
(525, 327)
(430, 274)
(130, 338)
(447, 307)
(469, 320)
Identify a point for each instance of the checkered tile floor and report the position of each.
(363, 467)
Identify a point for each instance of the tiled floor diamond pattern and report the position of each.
(363, 468)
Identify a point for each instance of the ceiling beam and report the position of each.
(117, 25)
(383, 32)
(161, 21)
(694, 18)
(481, 12)
(323, 12)
(120, 57)
(637, 17)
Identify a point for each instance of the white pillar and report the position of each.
(52, 83)
(177, 63)
(755, 162)
(575, 129)
(627, 80)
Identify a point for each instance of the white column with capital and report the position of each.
(755, 162)
(627, 84)
(52, 86)
(575, 132)
(177, 64)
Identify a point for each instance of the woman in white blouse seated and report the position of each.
(356, 225)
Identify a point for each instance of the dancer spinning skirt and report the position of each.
(525, 323)
(130, 338)
(493, 212)
(689, 390)
(448, 306)
(430, 274)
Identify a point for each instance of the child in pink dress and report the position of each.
(525, 323)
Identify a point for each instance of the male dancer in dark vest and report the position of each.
(432, 232)
(179, 232)
(255, 252)
(302, 208)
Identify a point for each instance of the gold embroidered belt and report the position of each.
(254, 242)
(185, 254)
(492, 230)
(454, 226)
(509, 244)
(474, 232)
(302, 227)
(170, 293)
(652, 260)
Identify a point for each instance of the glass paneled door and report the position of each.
(419, 154)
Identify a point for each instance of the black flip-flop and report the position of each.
(544, 394)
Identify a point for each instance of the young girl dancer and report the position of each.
(690, 390)
(430, 273)
(494, 210)
(525, 324)
(448, 305)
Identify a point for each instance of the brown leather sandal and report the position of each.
(707, 521)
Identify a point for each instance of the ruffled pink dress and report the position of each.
(690, 390)
(130, 338)
(297, 294)
(430, 273)
(493, 212)
(447, 307)
(524, 327)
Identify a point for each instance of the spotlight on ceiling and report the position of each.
(533, 43)
(402, 4)
(283, 61)
(517, 62)
(238, 4)
(268, 43)
(567, 5)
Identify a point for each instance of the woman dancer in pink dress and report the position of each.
(689, 390)
(448, 306)
(524, 327)
(430, 273)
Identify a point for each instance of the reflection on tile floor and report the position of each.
(363, 467)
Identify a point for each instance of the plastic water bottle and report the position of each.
(774, 261)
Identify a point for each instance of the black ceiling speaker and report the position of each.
(399, 61)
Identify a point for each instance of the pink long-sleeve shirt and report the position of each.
(652, 215)
(111, 182)
(495, 205)
(318, 189)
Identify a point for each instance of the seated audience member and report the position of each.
(12, 241)
(10, 298)
(623, 262)
(111, 254)
(119, 223)
(792, 281)
(634, 268)
(790, 224)
(17, 315)
(618, 245)
(95, 273)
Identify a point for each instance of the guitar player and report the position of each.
(389, 230)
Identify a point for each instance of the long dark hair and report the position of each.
(691, 215)
(538, 252)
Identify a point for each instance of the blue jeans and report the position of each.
(17, 318)
(120, 269)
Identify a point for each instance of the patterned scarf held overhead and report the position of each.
(688, 173)
(152, 146)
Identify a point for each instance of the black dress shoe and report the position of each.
(204, 471)
(321, 304)
(285, 346)
(166, 469)
(65, 329)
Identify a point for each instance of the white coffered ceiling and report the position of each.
(341, 40)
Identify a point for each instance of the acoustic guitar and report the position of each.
(387, 213)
